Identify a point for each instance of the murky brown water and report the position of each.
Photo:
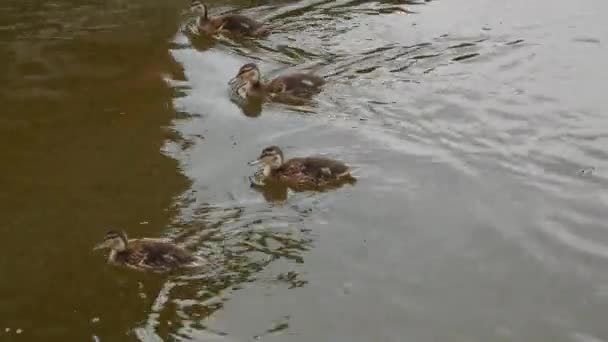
(478, 129)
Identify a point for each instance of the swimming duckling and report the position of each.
(232, 23)
(309, 171)
(157, 255)
(285, 88)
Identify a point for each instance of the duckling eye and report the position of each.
(243, 71)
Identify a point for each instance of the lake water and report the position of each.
(478, 130)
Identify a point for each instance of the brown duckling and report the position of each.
(158, 255)
(248, 83)
(308, 171)
(232, 23)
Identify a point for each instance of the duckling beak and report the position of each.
(255, 162)
(235, 82)
(101, 245)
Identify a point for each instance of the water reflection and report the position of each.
(250, 107)
(278, 192)
(444, 132)
(238, 246)
(84, 102)
(479, 127)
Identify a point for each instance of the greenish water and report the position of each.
(477, 129)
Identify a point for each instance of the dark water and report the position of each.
(478, 130)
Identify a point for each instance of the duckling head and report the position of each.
(116, 241)
(271, 157)
(198, 8)
(248, 75)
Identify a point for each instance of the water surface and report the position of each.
(477, 129)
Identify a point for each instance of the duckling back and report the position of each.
(155, 255)
(324, 167)
(312, 170)
(298, 84)
(236, 23)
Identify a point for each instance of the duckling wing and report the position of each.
(162, 255)
(299, 84)
(239, 23)
(321, 168)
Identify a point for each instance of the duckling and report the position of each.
(156, 255)
(308, 171)
(232, 23)
(285, 88)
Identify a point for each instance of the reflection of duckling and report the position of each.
(146, 254)
(286, 88)
(312, 171)
(233, 23)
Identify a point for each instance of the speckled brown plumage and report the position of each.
(299, 172)
(155, 255)
(230, 23)
(310, 170)
(235, 23)
(297, 84)
(293, 88)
